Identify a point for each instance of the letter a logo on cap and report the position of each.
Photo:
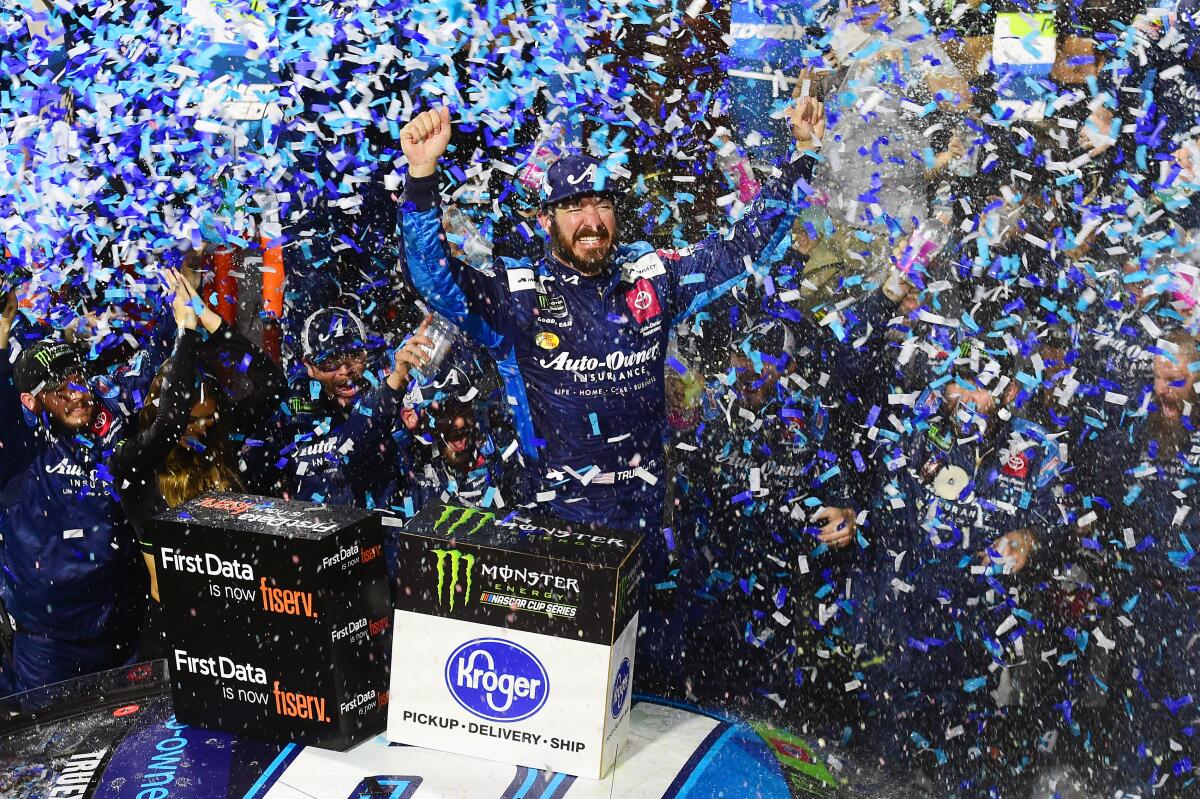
(643, 301)
(588, 174)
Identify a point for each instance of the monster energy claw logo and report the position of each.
(465, 515)
(43, 357)
(455, 556)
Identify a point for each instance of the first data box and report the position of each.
(277, 618)
(514, 638)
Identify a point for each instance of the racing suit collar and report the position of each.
(612, 276)
(559, 270)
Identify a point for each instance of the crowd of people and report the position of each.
(910, 434)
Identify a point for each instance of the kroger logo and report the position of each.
(497, 680)
(620, 690)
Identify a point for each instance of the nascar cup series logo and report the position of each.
(497, 680)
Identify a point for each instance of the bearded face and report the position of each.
(1174, 399)
(70, 407)
(973, 409)
(583, 233)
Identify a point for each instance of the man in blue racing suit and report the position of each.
(580, 335)
(72, 576)
(332, 440)
(1139, 511)
(967, 497)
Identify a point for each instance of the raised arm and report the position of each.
(1038, 522)
(136, 459)
(705, 271)
(369, 426)
(16, 443)
(473, 299)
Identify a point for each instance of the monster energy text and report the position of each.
(455, 557)
(528, 582)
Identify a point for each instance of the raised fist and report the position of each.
(424, 139)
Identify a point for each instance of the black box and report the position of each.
(531, 573)
(277, 618)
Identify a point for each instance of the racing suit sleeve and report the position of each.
(1041, 517)
(704, 272)
(16, 439)
(1034, 506)
(136, 461)
(370, 427)
(474, 300)
(858, 344)
(829, 478)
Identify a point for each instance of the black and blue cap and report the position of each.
(48, 364)
(575, 175)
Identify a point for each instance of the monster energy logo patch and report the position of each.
(455, 557)
(44, 357)
(456, 517)
(942, 440)
(555, 305)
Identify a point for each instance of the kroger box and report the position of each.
(277, 618)
(514, 638)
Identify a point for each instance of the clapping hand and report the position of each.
(181, 300)
(1095, 131)
(7, 317)
(189, 309)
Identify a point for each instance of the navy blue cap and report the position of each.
(573, 176)
(333, 331)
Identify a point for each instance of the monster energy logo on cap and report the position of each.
(454, 556)
(44, 357)
(46, 363)
(464, 515)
